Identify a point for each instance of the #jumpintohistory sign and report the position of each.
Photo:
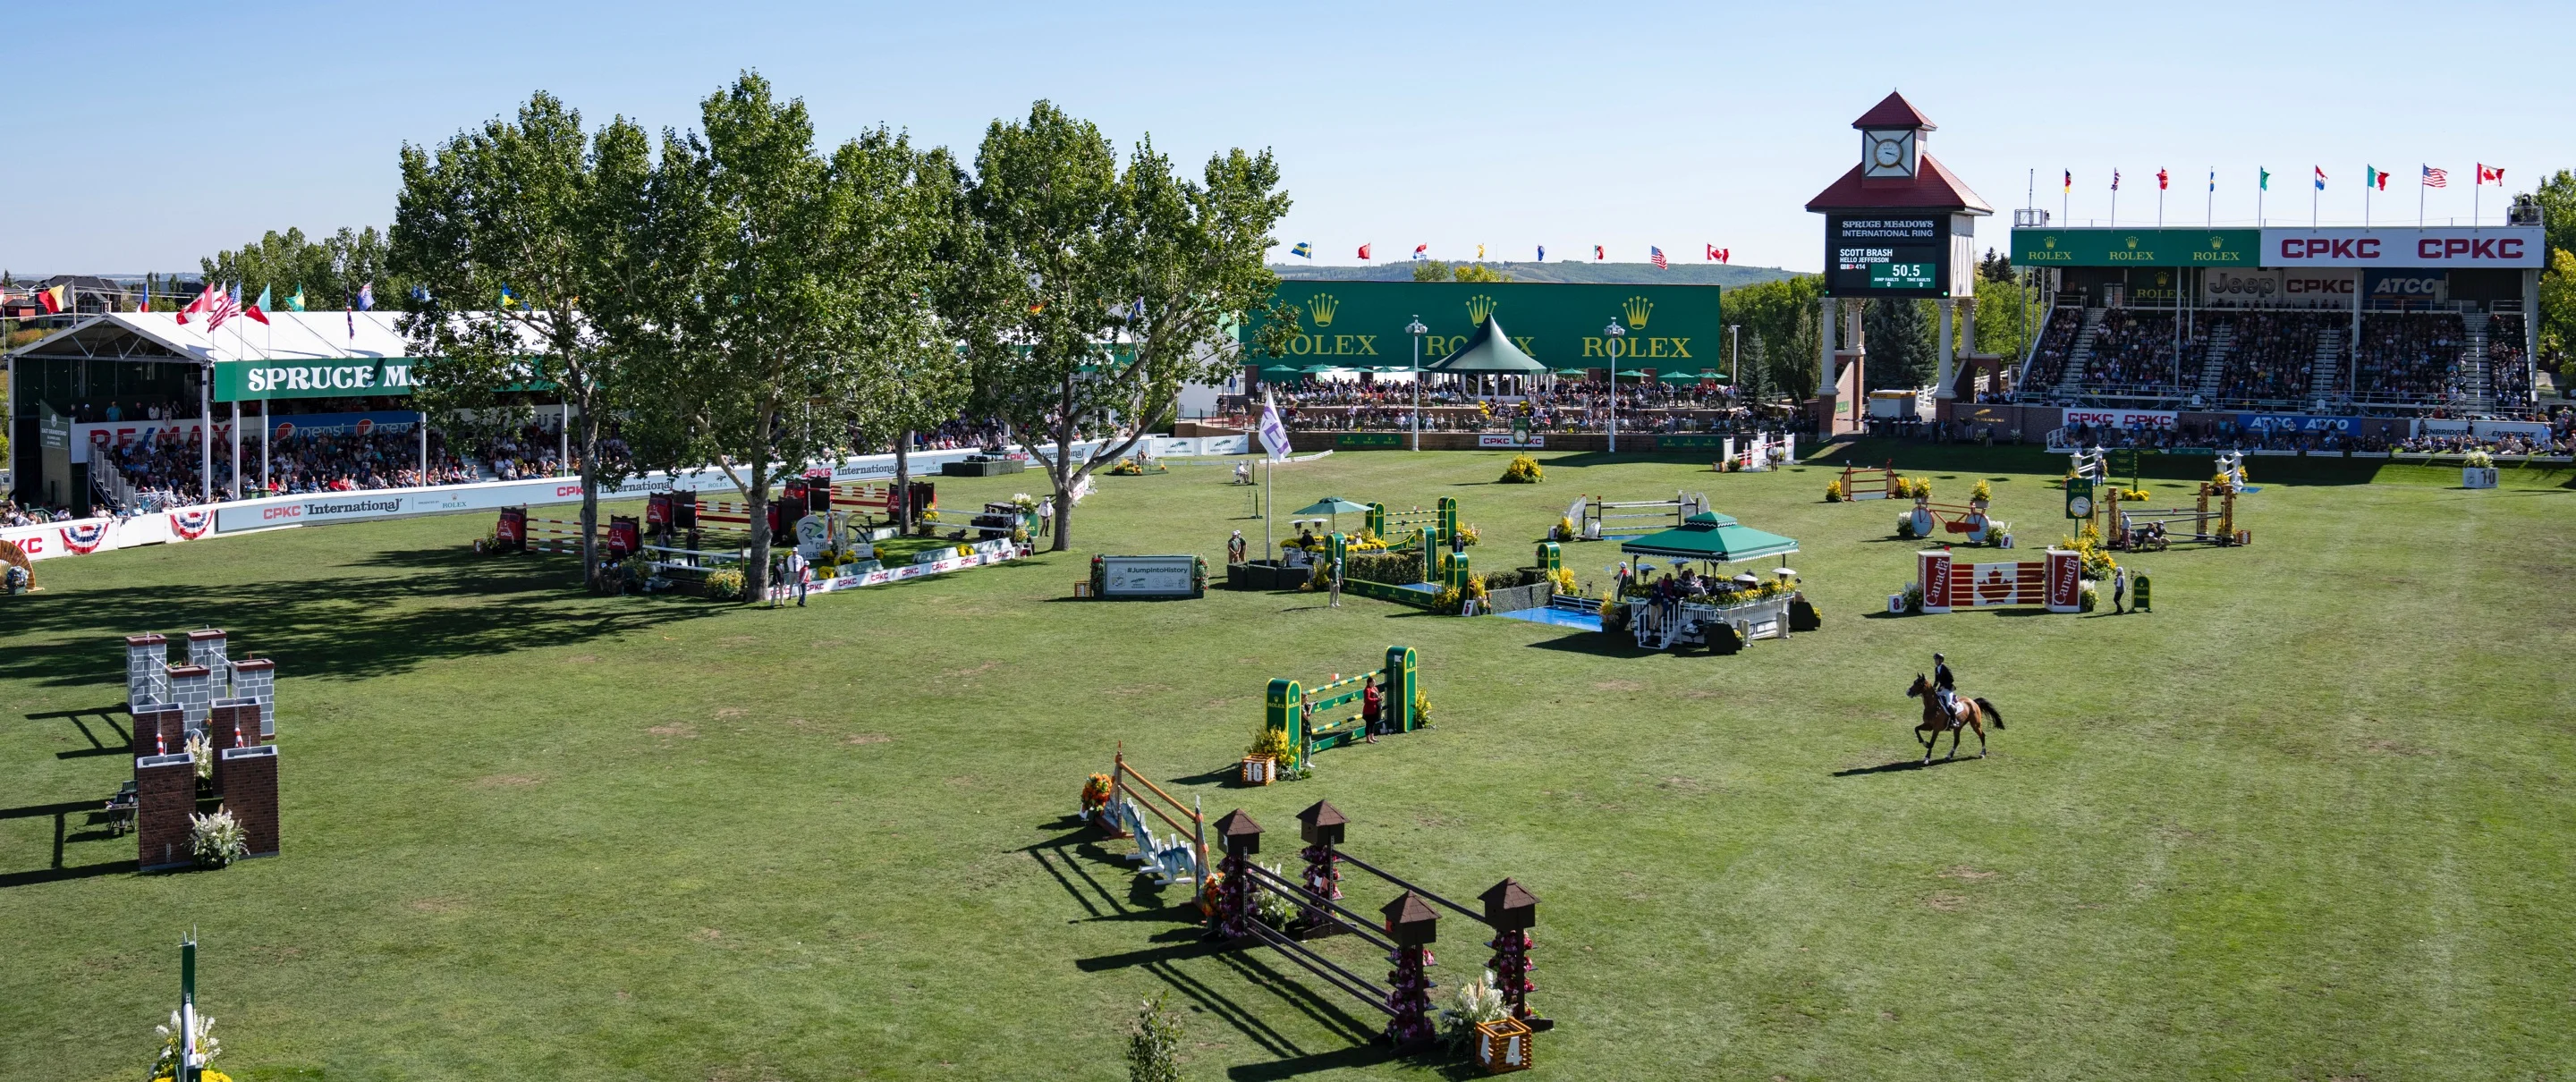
(1149, 576)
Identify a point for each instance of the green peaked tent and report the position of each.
(1713, 537)
(1488, 352)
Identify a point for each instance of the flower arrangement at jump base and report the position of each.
(217, 840)
(725, 585)
(1833, 492)
(1095, 794)
(1261, 763)
(2479, 460)
(1919, 488)
(1523, 470)
(166, 1067)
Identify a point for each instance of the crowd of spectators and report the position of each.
(13, 513)
(2411, 357)
(2056, 341)
(2508, 363)
(95, 412)
(2271, 356)
(2133, 353)
(1566, 406)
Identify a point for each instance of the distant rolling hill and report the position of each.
(1641, 274)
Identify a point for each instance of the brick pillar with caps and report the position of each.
(1234, 909)
(1414, 926)
(256, 679)
(192, 690)
(1513, 911)
(165, 794)
(160, 730)
(1322, 827)
(208, 648)
(145, 683)
(237, 720)
(250, 793)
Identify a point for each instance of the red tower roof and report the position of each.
(1932, 187)
(1894, 111)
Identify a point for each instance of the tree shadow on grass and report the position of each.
(346, 626)
(1597, 645)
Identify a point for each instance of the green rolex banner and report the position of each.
(2137, 247)
(1362, 324)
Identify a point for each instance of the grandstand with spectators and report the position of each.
(2382, 322)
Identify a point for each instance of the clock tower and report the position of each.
(1899, 227)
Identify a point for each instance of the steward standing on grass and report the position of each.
(2119, 589)
(1336, 602)
(1234, 548)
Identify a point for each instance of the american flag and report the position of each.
(1656, 256)
(2436, 178)
(227, 304)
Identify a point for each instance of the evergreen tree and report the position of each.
(1902, 352)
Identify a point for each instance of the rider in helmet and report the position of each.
(1944, 685)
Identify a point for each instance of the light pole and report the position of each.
(1417, 330)
(1614, 330)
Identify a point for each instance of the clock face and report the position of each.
(1887, 153)
(2079, 506)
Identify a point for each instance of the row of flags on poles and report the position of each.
(2372, 177)
(218, 304)
(1600, 252)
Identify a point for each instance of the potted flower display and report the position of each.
(2480, 472)
(1269, 750)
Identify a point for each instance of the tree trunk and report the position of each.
(1065, 475)
(755, 579)
(902, 495)
(589, 501)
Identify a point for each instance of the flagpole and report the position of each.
(2419, 198)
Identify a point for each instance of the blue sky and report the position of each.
(151, 135)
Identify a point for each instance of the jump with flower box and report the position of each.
(203, 730)
(1967, 523)
(1297, 722)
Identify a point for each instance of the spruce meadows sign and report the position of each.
(250, 380)
(1361, 324)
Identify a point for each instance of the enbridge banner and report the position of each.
(1361, 324)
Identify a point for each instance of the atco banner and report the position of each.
(2393, 287)
(2295, 422)
(2438, 246)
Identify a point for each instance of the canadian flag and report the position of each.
(1717, 253)
(1364, 251)
(205, 301)
(1596, 251)
(2487, 173)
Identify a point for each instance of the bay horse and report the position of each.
(1970, 713)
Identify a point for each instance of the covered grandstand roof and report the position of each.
(290, 337)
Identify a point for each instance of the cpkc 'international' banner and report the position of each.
(1362, 324)
(2137, 247)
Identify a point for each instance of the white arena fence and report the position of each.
(81, 537)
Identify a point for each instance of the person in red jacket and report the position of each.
(1372, 706)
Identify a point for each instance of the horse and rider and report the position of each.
(1946, 711)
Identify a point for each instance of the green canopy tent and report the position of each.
(1488, 352)
(1711, 537)
(1334, 506)
(1691, 377)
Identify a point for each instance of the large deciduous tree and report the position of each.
(912, 251)
(329, 271)
(772, 293)
(1101, 290)
(547, 211)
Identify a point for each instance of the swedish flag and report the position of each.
(1303, 250)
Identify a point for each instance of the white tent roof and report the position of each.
(287, 337)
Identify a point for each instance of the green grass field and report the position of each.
(2308, 820)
